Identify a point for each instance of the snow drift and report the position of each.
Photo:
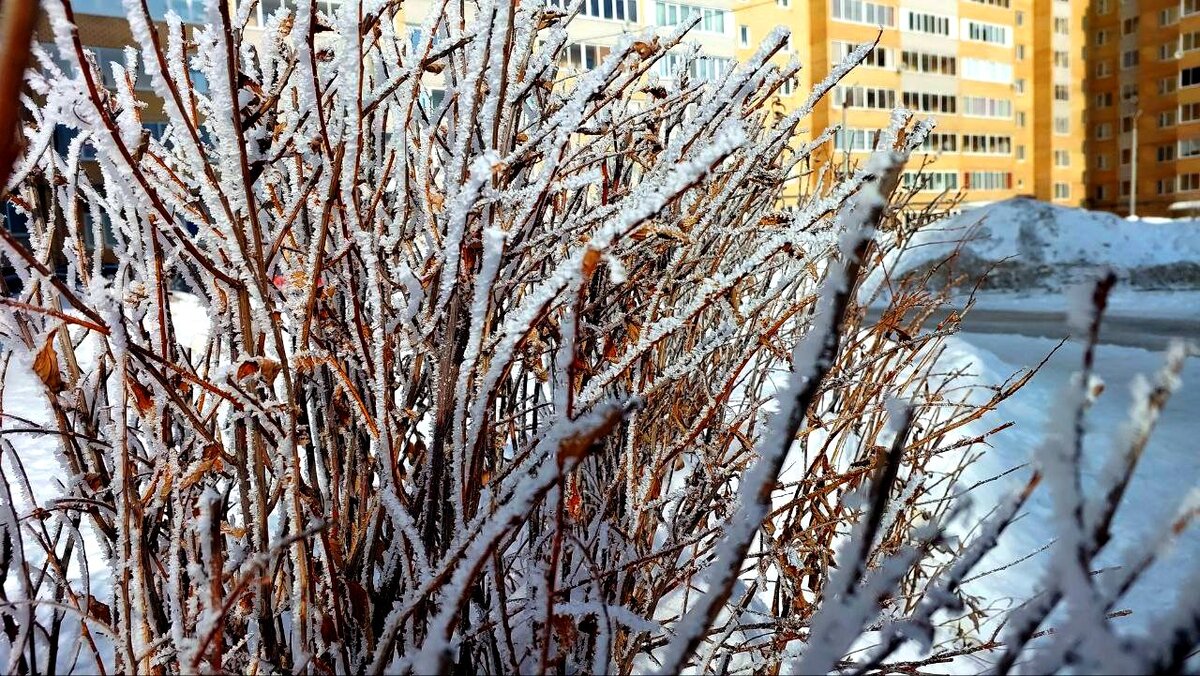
(1023, 244)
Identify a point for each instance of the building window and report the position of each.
(987, 71)
(1189, 112)
(105, 58)
(1189, 182)
(920, 22)
(931, 103)
(1129, 25)
(583, 57)
(990, 33)
(865, 97)
(744, 35)
(1101, 193)
(1166, 119)
(1021, 153)
(1102, 161)
(940, 142)
(1189, 77)
(983, 106)
(855, 139)
(1104, 100)
(1062, 125)
(673, 13)
(1103, 68)
(937, 64)
(1103, 131)
(1062, 158)
(1168, 51)
(264, 10)
(1167, 85)
(986, 145)
(1101, 37)
(1164, 186)
(879, 57)
(1062, 191)
(988, 180)
(1126, 156)
(1189, 42)
(861, 11)
(1168, 16)
(1062, 93)
(1189, 147)
(702, 68)
(1189, 7)
(930, 181)
(1129, 58)
(1062, 59)
(615, 10)
(1062, 25)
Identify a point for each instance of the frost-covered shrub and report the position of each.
(537, 376)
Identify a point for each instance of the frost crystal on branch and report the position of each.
(433, 354)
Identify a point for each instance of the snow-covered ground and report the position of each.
(1168, 473)
(25, 401)
(1024, 244)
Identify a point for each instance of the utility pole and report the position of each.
(1133, 160)
(846, 132)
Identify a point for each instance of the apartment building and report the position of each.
(1003, 79)
(1144, 95)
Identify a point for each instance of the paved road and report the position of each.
(1151, 333)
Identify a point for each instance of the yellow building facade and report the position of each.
(1003, 79)
(1144, 106)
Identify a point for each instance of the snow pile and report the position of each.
(1022, 243)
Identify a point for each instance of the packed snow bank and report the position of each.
(1024, 244)
(1167, 474)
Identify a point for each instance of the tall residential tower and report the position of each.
(1144, 106)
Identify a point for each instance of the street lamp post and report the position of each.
(1133, 161)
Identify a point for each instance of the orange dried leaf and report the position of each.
(197, 474)
(141, 395)
(247, 369)
(270, 369)
(574, 504)
(232, 531)
(98, 610)
(45, 365)
(645, 49)
(164, 491)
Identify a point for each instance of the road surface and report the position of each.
(1150, 333)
